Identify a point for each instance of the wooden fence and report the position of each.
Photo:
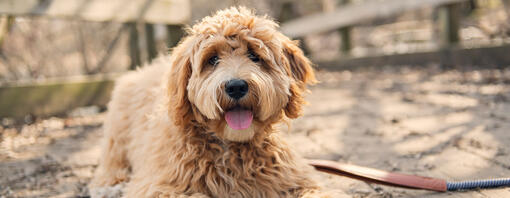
(55, 97)
(348, 15)
(173, 13)
(52, 98)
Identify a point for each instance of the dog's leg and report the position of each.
(111, 172)
(113, 165)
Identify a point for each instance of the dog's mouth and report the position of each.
(239, 118)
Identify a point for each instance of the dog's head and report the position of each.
(235, 74)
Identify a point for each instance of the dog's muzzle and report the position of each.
(238, 118)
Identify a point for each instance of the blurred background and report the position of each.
(38, 45)
(430, 58)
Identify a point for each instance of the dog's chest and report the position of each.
(245, 174)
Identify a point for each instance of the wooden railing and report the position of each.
(352, 14)
(147, 11)
(173, 13)
(55, 97)
(449, 53)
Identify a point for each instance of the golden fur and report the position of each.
(165, 134)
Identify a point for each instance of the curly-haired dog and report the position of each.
(202, 121)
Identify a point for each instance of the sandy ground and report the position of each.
(453, 125)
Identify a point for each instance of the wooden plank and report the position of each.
(345, 34)
(355, 14)
(134, 47)
(289, 11)
(150, 42)
(5, 26)
(449, 25)
(346, 41)
(488, 57)
(151, 11)
(54, 97)
(174, 33)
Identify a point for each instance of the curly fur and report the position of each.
(166, 137)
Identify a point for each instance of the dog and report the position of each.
(202, 122)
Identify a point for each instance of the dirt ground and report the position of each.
(447, 124)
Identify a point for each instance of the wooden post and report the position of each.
(287, 13)
(134, 49)
(345, 35)
(449, 25)
(151, 42)
(449, 33)
(174, 33)
(5, 27)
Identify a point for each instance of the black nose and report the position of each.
(236, 88)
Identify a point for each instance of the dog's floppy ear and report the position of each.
(179, 107)
(302, 72)
(300, 66)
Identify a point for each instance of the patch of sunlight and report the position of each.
(435, 87)
(421, 124)
(456, 162)
(492, 89)
(429, 86)
(448, 100)
(398, 108)
(457, 118)
(389, 132)
(317, 136)
(431, 123)
(425, 143)
(325, 101)
(87, 156)
(320, 123)
(33, 193)
(481, 142)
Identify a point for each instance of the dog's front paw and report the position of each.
(107, 192)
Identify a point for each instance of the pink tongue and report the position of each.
(239, 119)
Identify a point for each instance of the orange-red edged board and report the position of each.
(379, 176)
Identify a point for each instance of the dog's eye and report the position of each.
(253, 57)
(213, 60)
